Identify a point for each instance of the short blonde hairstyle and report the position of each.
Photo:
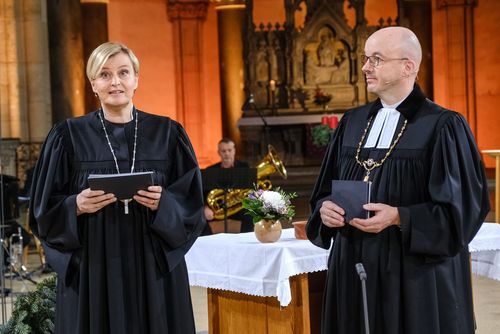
(103, 52)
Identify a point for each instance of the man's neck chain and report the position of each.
(371, 164)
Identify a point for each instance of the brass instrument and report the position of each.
(270, 164)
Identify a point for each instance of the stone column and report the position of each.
(12, 70)
(453, 54)
(94, 33)
(187, 18)
(230, 20)
(415, 14)
(67, 71)
(39, 107)
(25, 102)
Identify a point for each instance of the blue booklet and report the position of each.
(351, 196)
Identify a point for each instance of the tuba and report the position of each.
(270, 164)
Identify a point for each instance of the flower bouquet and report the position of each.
(267, 209)
(269, 205)
(321, 98)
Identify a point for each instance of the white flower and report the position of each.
(273, 200)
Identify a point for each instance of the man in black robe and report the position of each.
(227, 152)
(429, 198)
(118, 271)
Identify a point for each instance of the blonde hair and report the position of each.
(103, 52)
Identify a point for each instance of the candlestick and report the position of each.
(272, 85)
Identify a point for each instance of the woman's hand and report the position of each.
(90, 201)
(149, 198)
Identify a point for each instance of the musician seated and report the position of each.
(227, 151)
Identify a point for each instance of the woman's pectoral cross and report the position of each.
(125, 204)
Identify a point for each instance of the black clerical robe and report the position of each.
(418, 276)
(117, 272)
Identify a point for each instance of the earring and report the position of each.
(95, 94)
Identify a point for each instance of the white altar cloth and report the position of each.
(240, 263)
(485, 251)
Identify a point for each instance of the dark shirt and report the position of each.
(237, 164)
(246, 220)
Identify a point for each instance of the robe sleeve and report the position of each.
(179, 219)
(458, 195)
(318, 233)
(52, 210)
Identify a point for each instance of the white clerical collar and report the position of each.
(384, 125)
(392, 106)
(383, 128)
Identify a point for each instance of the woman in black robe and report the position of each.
(417, 266)
(118, 272)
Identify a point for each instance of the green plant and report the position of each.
(321, 134)
(270, 205)
(34, 313)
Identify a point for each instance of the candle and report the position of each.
(334, 122)
(324, 120)
(272, 85)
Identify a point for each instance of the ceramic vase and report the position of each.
(267, 231)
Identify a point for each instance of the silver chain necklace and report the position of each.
(101, 118)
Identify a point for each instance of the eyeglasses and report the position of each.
(374, 61)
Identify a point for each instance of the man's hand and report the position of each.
(209, 214)
(383, 216)
(331, 214)
(149, 198)
(90, 201)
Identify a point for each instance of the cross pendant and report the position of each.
(125, 205)
(367, 176)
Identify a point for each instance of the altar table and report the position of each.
(485, 251)
(259, 288)
(277, 288)
(496, 154)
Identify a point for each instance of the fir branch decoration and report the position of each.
(321, 134)
(34, 313)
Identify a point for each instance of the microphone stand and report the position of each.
(251, 104)
(362, 276)
(225, 209)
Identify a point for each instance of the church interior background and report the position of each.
(201, 60)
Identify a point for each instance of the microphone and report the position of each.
(361, 271)
(248, 102)
(362, 276)
(390, 82)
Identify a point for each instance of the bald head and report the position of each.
(394, 57)
(400, 42)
